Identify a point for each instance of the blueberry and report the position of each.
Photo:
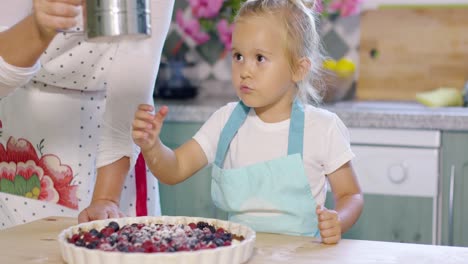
(171, 249)
(92, 245)
(227, 237)
(94, 232)
(202, 225)
(212, 229)
(208, 238)
(80, 243)
(122, 248)
(114, 225)
(218, 241)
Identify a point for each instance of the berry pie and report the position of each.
(162, 239)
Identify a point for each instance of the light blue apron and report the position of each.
(272, 196)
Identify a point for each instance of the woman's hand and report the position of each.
(146, 126)
(53, 15)
(329, 225)
(100, 209)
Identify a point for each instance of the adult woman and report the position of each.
(66, 116)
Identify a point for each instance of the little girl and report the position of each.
(272, 153)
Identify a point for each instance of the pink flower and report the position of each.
(345, 7)
(205, 8)
(191, 28)
(225, 33)
(23, 173)
(318, 6)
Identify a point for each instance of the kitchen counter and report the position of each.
(35, 242)
(365, 114)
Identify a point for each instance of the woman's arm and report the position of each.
(130, 82)
(106, 196)
(23, 44)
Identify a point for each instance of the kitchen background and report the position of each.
(391, 51)
(340, 37)
(411, 152)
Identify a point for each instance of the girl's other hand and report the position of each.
(146, 126)
(329, 225)
(53, 15)
(100, 209)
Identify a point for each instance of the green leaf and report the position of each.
(33, 182)
(7, 186)
(207, 24)
(20, 185)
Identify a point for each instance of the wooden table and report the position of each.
(36, 243)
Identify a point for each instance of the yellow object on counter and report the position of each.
(345, 67)
(329, 64)
(444, 96)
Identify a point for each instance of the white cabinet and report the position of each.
(398, 171)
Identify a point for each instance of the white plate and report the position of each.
(234, 254)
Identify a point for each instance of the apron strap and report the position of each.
(234, 122)
(141, 187)
(296, 129)
(237, 118)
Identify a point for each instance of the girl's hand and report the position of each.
(100, 209)
(329, 225)
(146, 126)
(53, 15)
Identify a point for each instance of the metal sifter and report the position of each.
(114, 19)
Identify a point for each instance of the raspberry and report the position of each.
(74, 238)
(183, 248)
(107, 231)
(88, 237)
(149, 247)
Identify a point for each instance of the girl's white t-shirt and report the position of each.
(326, 143)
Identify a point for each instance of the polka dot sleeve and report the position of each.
(12, 77)
(130, 83)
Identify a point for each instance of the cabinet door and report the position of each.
(400, 189)
(392, 218)
(454, 171)
(193, 196)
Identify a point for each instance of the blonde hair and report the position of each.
(302, 40)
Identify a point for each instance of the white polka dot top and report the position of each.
(73, 117)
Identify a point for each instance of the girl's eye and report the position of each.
(260, 58)
(237, 56)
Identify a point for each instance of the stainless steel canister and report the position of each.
(111, 19)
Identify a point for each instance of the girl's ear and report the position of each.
(302, 68)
